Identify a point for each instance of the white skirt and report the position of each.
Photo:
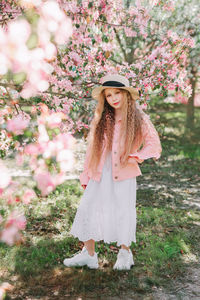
(107, 210)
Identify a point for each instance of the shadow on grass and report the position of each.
(166, 238)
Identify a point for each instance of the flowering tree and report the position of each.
(186, 19)
(48, 71)
(118, 37)
(28, 43)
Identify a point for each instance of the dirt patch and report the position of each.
(185, 288)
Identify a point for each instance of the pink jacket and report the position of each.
(151, 148)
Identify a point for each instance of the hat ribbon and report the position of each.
(113, 83)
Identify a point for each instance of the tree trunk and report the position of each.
(190, 105)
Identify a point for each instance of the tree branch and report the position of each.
(120, 44)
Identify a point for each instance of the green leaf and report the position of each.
(105, 39)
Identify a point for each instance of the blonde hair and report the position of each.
(102, 127)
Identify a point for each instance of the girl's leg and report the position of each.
(124, 247)
(90, 246)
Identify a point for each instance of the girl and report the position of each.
(107, 209)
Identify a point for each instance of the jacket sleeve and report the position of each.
(84, 178)
(151, 141)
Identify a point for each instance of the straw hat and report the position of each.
(114, 81)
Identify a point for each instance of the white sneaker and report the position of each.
(81, 259)
(124, 260)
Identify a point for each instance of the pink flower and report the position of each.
(171, 86)
(45, 182)
(66, 159)
(143, 106)
(28, 196)
(19, 28)
(9, 235)
(55, 119)
(17, 124)
(17, 220)
(66, 140)
(59, 178)
(32, 149)
(43, 135)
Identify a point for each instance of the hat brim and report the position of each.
(97, 91)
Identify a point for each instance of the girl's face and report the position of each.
(114, 97)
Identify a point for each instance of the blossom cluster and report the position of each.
(27, 46)
(49, 157)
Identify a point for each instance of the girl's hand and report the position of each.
(138, 160)
(84, 186)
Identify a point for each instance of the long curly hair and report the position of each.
(102, 128)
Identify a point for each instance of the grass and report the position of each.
(167, 230)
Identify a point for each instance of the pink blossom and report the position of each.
(51, 11)
(28, 196)
(15, 222)
(59, 178)
(17, 124)
(20, 28)
(171, 86)
(45, 182)
(172, 73)
(53, 120)
(130, 32)
(173, 35)
(30, 3)
(95, 15)
(66, 140)
(154, 2)
(16, 219)
(64, 32)
(9, 235)
(43, 135)
(56, 21)
(143, 106)
(66, 159)
(32, 149)
(56, 101)
(10, 199)
(50, 149)
(76, 58)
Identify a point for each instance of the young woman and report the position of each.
(120, 137)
